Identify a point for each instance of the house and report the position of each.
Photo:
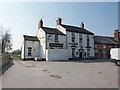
(80, 41)
(103, 44)
(61, 43)
(30, 47)
(52, 43)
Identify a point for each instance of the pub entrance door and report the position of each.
(80, 55)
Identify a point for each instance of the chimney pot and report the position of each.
(40, 24)
(82, 25)
(59, 21)
(117, 35)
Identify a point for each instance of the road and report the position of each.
(70, 74)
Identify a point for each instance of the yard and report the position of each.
(61, 74)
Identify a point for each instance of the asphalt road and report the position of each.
(72, 74)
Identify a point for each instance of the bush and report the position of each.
(22, 59)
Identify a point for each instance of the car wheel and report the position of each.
(117, 63)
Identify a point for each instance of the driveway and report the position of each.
(69, 74)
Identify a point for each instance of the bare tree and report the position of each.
(0, 43)
(6, 40)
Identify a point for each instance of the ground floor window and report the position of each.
(88, 52)
(29, 51)
(104, 54)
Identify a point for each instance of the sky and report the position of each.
(22, 18)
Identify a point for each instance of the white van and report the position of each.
(115, 55)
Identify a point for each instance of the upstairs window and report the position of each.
(73, 37)
(56, 38)
(80, 35)
(80, 39)
(87, 36)
(80, 42)
(29, 51)
(73, 34)
(88, 42)
(73, 40)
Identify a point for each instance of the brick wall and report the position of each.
(103, 51)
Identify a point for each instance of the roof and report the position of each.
(105, 40)
(30, 38)
(76, 29)
(52, 31)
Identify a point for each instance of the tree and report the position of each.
(6, 40)
(0, 43)
(16, 52)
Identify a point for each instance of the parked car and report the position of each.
(115, 55)
(37, 59)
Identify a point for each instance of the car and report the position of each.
(37, 59)
(115, 55)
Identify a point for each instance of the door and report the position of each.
(73, 52)
(80, 55)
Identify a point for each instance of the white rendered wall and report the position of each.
(56, 54)
(35, 49)
(61, 39)
(22, 52)
(84, 43)
(91, 43)
(60, 28)
(69, 40)
(42, 37)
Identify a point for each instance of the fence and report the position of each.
(4, 60)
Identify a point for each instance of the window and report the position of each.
(56, 38)
(80, 42)
(104, 46)
(73, 35)
(95, 45)
(87, 36)
(73, 40)
(88, 42)
(29, 51)
(73, 52)
(80, 35)
(80, 39)
(88, 52)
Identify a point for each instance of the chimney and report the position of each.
(117, 35)
(40, 24)
(59, 21)
(82, 25)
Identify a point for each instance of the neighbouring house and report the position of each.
(30, 47)
(103, 44)
(61, 43)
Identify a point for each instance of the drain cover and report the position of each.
(30, 66)
(55, 76)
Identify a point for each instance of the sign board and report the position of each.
(56, 45)
(72, 43)
(50, 37)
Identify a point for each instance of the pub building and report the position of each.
(64, 42)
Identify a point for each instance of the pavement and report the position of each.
(61, 74)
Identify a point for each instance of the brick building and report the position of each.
(103, 44)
